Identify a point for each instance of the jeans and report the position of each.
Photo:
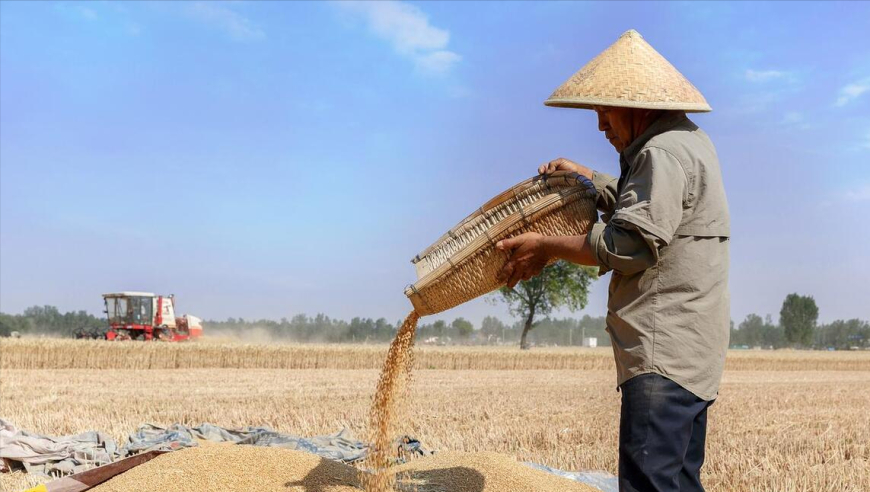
(662, 433)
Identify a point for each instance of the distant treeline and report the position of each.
(48, 320)
(755, 332)
(797, 327)
(492, 331)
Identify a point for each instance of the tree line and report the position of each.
(797, 326)
(48, 320)
(492, 330)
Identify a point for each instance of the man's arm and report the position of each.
(605, 185)
(575, 249)
(645, 219)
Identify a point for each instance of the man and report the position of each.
(664, 237)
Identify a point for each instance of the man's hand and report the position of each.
(529, 256)
(562, 164)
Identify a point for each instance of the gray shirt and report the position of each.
(664, 236)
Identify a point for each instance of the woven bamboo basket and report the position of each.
(464, 263)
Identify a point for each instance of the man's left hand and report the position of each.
(529, 256)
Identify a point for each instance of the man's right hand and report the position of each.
(562, 164)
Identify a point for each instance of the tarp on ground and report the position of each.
(56, 456)
(61, 456)
(601, 480)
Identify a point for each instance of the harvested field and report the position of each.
(97, 354)
(770, 430)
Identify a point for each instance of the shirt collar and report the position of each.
(664, 123)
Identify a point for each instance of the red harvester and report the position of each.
(145, 316)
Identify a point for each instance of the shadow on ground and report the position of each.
(441, 480)
(325, 475)
(328, 474)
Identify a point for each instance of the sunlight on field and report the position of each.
(97, 354)
(770, 430)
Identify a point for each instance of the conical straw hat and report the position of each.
(629, 74)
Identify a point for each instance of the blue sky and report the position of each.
(266, 159)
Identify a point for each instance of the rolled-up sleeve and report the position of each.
(646, 215)
(605, 185)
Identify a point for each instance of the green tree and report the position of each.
(8, 324)
(757, 332)
(562, 284)
(438, 328)
(798, 318)
(492, 328)
(463, 327)
(843, 335)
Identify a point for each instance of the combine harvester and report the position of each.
(146, 316)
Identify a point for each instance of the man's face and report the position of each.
(616, 125)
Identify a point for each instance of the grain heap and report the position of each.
(234, 468)
(479, 472)
(240, 468)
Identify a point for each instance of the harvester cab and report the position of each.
(146, 316)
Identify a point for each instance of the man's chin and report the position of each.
(615, 145)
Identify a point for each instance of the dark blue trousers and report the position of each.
(662, 433)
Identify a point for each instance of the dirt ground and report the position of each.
(769, 430)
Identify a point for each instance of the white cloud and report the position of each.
(860, 194)
(795, 119)
(853, 91)
(765, 75)
(406, 27)
(438, 61)
(88, 13)
(237, 26)
(792, 117)
(134, 29)
(766, 95)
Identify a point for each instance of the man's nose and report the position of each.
(602, 123)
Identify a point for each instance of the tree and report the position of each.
(798, 318)
(560, 284)
(463, 327)
(843, 335)
(757, 332)
(492, 328)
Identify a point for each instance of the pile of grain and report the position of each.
(235, 469)
(246, 468)
(478, 472)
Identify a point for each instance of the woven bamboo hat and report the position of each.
(629, 74)
(464, 262)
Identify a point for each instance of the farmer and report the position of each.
(664, 238)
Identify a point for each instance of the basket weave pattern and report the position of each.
(464, 263)
(630, 73)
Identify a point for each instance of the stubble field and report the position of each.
(784, 421)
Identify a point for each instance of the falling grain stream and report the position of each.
(387, 405)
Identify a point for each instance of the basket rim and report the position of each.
(546, 205)
(552, 181)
